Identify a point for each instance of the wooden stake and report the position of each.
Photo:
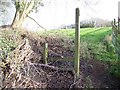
(118, 25)
(77, 43)
(118, 17)
(45, 52)
(114, 22)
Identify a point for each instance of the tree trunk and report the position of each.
(15, 20)
(20, 17)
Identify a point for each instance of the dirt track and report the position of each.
(93, 73)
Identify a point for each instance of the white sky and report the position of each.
(63, 12)
(108, 9)
(59, 12)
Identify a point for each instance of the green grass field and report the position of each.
(92, 45)
(91, 38)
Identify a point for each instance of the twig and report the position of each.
(75, 81)
(31, 80)
(36, 22)
(36, 69)
(73, 84)
(54, 68)
(19, 77)
(23, 82)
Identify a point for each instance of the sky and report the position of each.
(62, 12)
(6, 12)
(108, 9)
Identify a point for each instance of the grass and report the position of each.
(92, 42)
(9, 39)
(93, 37)
(92, 45)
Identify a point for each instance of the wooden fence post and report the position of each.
(119, 16)
(114, 22)
(118, 26)
(45, 56)
(115, 27)
(77, 43)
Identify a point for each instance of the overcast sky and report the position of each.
(59, 12)
(63, 12)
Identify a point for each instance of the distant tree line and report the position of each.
(95, 22)
(90, 23)
(87, 24)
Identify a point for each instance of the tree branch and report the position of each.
(36, 22)
(54, 68)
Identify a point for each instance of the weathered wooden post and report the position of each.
(114, 27)
(119, 26)
(77, 42)
(45, 56)
(114, 22)
(119, 16)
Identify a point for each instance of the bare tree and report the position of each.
(23, 8)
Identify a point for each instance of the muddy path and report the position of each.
(93, 73)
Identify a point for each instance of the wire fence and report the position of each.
(116, 37)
